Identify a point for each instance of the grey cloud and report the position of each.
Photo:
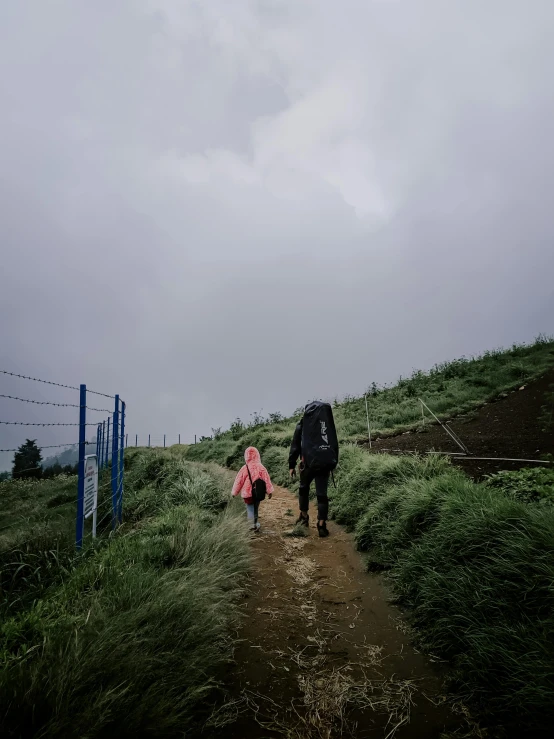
(351, 190)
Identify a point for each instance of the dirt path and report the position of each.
(321, 652)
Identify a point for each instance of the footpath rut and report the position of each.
(321, 653)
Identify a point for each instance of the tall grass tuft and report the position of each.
(476, 568)
(133, 641)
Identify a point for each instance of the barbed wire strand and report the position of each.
(108, 501)
(23, 423)
(42, 479)
(56, 384)
(52, 446)
(20, 549)
(109, 514)
(59, 405)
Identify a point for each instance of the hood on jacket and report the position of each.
(252, 456)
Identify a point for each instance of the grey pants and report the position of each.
(321, 484)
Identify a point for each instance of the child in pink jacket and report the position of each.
(243, 484)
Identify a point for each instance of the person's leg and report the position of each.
(306, 478)
(251, 514)
(321, 486)
(256, 509)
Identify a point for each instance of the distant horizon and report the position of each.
(338, 398)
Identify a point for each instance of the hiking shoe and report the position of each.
(322, 529)
(303, 521)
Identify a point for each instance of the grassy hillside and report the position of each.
(448, 389)
(473, 562)
(129, 637)
(37, 535)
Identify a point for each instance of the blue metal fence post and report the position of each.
(101, 461)
(121, 466)
(98, 441)
(80, 523)
(115, 438)
(106, 458)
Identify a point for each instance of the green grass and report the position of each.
(131, 640)
(474, 563)
(450, 389)
(37, 536)
(531, 484)
(298, 530)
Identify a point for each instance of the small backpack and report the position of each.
(259, 487)
(320, 446)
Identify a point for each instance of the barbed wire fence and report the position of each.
(107, 458)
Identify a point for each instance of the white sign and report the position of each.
(91, 484)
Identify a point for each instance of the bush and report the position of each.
(530, 484)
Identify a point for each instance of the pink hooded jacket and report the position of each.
(242, 481)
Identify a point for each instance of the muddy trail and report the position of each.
(321, 652)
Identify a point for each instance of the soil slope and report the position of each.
(508, 427)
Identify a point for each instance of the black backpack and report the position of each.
(320, 446)
(259, 487)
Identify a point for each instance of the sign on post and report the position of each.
(91, 489)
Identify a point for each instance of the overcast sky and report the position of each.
(221, 206)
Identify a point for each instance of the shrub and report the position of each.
(530, 484)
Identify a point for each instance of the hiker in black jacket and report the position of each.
(315, 442)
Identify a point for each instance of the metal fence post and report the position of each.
(149, 441)
(136, 439)
(80, 523)
(98, 432)
(368, 427)
(115, 438)
(121, 466)
(179, 438)
(101, 460)
(107, 457)
(164, 441)
(126, 440)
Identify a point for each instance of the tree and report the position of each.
(26, 461)
(4, 476)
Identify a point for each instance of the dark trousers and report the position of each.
(321, 485)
